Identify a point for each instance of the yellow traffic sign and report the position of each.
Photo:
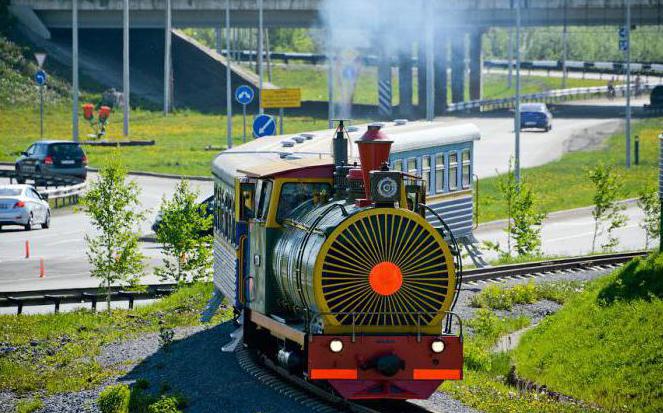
(281, 98)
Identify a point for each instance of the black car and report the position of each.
(51, 157)
(208, 205)
(656, 98)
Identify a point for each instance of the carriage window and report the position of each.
(294, 194)
(412, 166)
(263, 202)
(439, 173)
(247, 204)
(425, 171)
(453, 171)
(398, 165)
(465, 157)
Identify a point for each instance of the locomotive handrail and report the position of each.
(444, 330)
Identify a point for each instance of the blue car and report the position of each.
(535, 115)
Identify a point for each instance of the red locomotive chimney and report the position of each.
(374, 147)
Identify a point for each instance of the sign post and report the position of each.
(280, 99)
(40, 79)
(244, 95)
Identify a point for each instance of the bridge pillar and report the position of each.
(421, 78)
(458, 67)
(405, 84)
(441, 64)
(476, 65)
(384, 85)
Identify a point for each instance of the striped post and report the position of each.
(384, 87)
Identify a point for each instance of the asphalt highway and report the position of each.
(576, 125)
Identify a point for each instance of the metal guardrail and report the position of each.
(80, 295)
(547, 97)
(61, 189)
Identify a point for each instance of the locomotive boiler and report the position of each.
(335, 270)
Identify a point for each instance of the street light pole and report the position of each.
(516, 126)
(125, 68)
(565, 51)
(229, 102)
(430, 68)
(260, 54)
(167, 59)
(74, 69)
(627, 131)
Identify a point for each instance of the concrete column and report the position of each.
(405, 84)
(441, 64)
(458, 67)
(384, 85)
(421, 77)
(476, 65)
(74, 69)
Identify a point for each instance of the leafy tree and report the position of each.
(650, 204)
(111, 203)
(187, 252)
(524, 219)
(607, 213)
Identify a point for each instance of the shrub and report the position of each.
(114, 399)
(142, 384)
(29, 405)
(166, 404)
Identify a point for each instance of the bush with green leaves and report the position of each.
(649, 202)
(505, 297)
(187, 251)
(607, 213)
(114, 399)
(29, 405)
(112, 205)
(165, 404)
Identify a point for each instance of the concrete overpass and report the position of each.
(304, 13)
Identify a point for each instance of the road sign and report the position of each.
(281, 98)
(40, 77)
(244, 95)
(263, 125)
(623, 38)
(623, 45)
(40, 57)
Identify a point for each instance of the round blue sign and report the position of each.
(263, 125)
(244, 95)
(40, 77)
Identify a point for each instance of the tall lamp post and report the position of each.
(229, 102)
(516, 122)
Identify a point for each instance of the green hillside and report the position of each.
(606, 345)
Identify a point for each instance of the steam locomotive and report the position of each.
(334, 270)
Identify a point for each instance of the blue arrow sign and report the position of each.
(244, 95)
(40, 77)
(263, 125)
(623, 32)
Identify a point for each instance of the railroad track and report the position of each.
(318, 399)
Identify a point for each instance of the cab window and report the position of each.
(265, 191)
(295, 194)
(247, 202)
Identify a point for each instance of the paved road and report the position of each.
(63, 246)
(570, 232)
(577, 125)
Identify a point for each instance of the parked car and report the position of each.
(208, 205)
(22, 205)
(51, 158)
(535, 115)
(655, 98)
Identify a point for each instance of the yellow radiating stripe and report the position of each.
(421, 292)
(418, 303)
(335, 265)
(399, 297)
(397, 241)
(419, 274)
(355, 243)
(363, 233)
(373, 237)
(338, 290)
(340, 283)
(332, 253)
(433, 250)
(409, 250)
(361, 243)
(354, 279)
(352, 308)
(438, 267)
(429, 284)
(352, 295)
(369, 307)
(406, 243)
(393, 236)
(369, 242)
(377, 230)
(351, 248)
(351, 255)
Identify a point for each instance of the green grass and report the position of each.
(606, 344)
(563, 184)
(500, 297)
(180, 138)
(56, 352)
(313, 82)
(29, 405)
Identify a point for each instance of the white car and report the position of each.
(22, 205)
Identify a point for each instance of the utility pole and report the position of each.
(229, 102)
(260, 55)
(167, 59)
(125, 68)
(74, 69)
(627, 131)
(430, 63)
(565, 41)
(516, 123)
(510, 58)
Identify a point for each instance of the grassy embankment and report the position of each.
(563, 184)
(55, 353)
(606, 344)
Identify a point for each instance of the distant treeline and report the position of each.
(585, 43)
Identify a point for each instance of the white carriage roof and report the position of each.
(412, 136)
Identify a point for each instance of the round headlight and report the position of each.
(336, 346)
(437, 346)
